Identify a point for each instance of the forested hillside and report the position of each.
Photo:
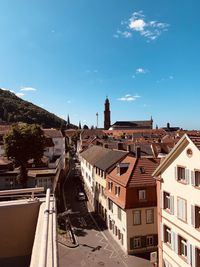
(15, 109)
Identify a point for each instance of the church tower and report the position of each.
(107, 114)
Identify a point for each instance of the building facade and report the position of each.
(131, 194)
(178, 184)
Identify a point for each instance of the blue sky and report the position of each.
(67, 56)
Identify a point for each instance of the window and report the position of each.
(137, 242)
(119, 234)
(142, 194)
(149, 240)
(182, 205)
(197, 178)
(149, 216)
(117, 190)
(195, 216)
(110, 205)
(197, 252)
(122, 239)
(137, 217)
(119, 213)
(116, 230)
(110, 185)
(167, 235)
(166, 201)
(181, 174)
(182, 246)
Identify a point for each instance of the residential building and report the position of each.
(95, 161)
(56, 147)
(132, 204)
(178, 184)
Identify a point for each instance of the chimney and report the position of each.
(138, 152)
(120, 146)
(168, 125)
(128, 148)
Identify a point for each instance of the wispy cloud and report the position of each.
(171, 77)
(141, 71)
(19, 94)
(91, 71)
(138, 23)
(28, 89)
(128, 98)
(69, 101)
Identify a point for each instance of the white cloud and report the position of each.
(124, 34)
(19, 94)
(128, 98)
(28, 89)
(137, 25)
(141, 71)
(149, 29)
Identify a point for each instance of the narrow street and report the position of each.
(96, 246)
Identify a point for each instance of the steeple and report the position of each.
(107, 114)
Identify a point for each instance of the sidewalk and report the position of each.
(68, 239)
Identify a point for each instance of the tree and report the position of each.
(22, 143)
(85, 127)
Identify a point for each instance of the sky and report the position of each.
(66, 56)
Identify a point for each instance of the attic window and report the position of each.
(122, 168)
(142, 170)
(189, 152)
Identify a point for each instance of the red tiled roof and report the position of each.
(124, 178)
(53, 133)
(142, 173)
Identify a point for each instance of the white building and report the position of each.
(178, 184)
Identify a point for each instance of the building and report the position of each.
(28, 229)
(131, 125)
(132, 204)
(107, 114)
(55, 148)
(95, 162)
(178, 184)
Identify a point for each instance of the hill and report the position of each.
(15, 109)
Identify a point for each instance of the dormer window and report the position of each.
(122, 168)
(142, 170)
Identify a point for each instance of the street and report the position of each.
(96, 246)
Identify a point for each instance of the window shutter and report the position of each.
(192, 178)
(161, 231)
(175, 173)
(172, 205)
(161, 199)
(188, 253)
(174, 239)
(193, 256)
(187, 176)
(193, 215)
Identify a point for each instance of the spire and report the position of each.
(68, 120)
(107, 114)
(79, 126)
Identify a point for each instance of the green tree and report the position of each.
(22, 143)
